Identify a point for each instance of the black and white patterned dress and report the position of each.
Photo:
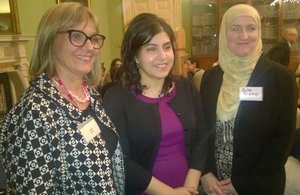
(43, 151)
(224, 148)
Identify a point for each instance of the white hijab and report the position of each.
(237, 70)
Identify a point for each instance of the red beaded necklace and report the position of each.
(72, 96)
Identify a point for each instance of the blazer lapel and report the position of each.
(261, 68)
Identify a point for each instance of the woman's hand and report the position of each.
(211, 185)
(157, 187)
(185, 191)
(192, 180)
(227, 187)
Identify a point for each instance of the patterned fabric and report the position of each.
(43, 151)
(224, 148)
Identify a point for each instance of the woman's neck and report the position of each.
(153, 89)
(74, 90)
(72, 83)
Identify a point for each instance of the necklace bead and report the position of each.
(70, 94)
(78, 99)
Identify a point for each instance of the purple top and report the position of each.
(170, 165)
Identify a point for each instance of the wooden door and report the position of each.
(170, 10)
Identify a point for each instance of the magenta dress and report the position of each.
(170, 165)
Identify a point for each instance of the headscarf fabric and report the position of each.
(237, 70)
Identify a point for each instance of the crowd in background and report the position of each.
(139, 129)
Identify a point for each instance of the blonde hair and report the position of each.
(58, 18)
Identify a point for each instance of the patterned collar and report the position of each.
(44, 84)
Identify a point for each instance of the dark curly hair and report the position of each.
(139, 32)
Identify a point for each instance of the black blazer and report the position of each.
(280, 53)
(263, 132)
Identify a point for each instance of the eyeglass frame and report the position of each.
(86, 37)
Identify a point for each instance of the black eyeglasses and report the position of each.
(79, 38)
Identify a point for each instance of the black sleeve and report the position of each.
(137, 177)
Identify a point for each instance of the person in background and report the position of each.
(281, 51)
(115, 75)
(115, 63)
(194, 73)
(103, 70)
(57, 139)
(297, 72)
(193, 66)
(197, 78)
(250, 106)
(158, 115)
(111, 77)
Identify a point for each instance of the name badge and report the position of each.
(89, 129)
(251, 93)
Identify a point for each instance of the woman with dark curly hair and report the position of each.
(158, 116)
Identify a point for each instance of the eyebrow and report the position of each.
(154, 44)
(240, 25)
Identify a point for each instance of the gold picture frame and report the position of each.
(6, 26)
(9, 22)
(83, 2)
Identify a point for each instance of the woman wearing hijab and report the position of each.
(250, 108)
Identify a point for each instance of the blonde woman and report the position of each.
(58, 139)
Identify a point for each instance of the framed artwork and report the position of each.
(83, 2)
(9, 18)
(5, 23)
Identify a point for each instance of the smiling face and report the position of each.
(72, 60)
(242, 35)
(155, 58)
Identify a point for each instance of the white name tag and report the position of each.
(89, 129)
(251, 93)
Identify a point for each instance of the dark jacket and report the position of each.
(280, 53)
(139, 126)
(263, 131)
(296, 147)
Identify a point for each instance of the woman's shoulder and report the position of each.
(117, 93)
(182, 81)
(116, 89)
(213, 70)
(184, 85)
(212, 74)
(23, 108)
